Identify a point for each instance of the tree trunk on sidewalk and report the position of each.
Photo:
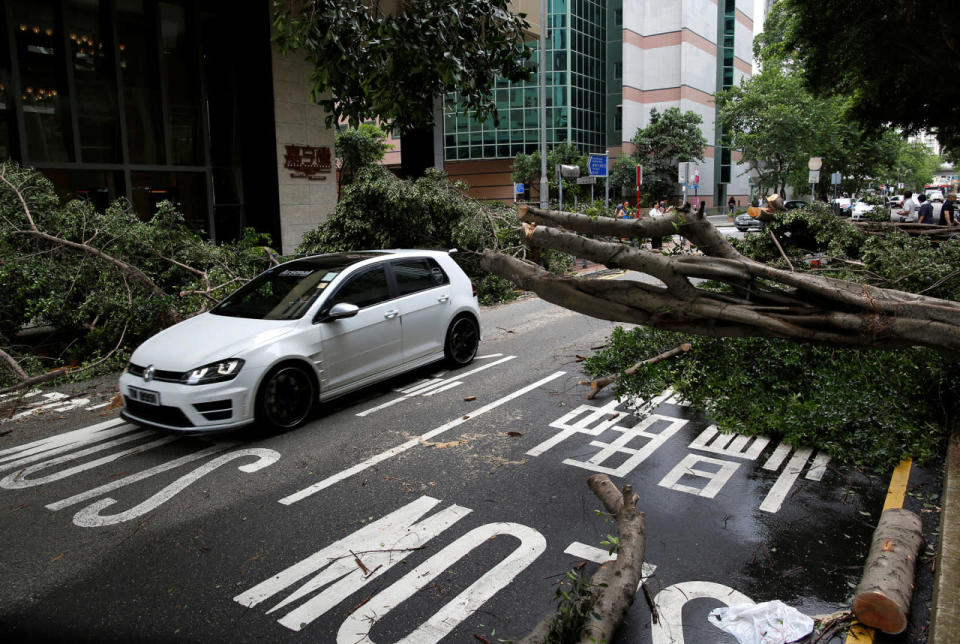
(882, 600)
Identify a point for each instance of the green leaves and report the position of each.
(371, 65)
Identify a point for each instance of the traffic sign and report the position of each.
(598, 165)
(587, 179)
(814, 176)
(518, 188)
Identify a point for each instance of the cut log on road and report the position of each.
(615, 584)
(882, 600)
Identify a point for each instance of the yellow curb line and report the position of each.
(860, 634)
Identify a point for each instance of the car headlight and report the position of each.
(213, 372)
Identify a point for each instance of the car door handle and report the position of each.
(391, 314)
(443, 298)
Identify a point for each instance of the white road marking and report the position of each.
(669, 602)
(619, 446)
(818, 467)
(776, 459)
(711, 440)
(22, 479)
(781, 487)
(336, 575)
(434, 385)
(715, 480)
(139, 476)
(70, 439)
(357, 626)
(600, 556)
(101, 405)
(90, 517)
(370, 462)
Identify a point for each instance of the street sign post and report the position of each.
(814, 165)
(639, 182)
(598, 165)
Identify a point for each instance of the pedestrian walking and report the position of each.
(623, 210)
(732, 205)
(924, 210)
(948, 212)
(909, 211)
(656, 243)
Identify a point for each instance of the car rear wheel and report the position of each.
(286, 397)
(463, 338)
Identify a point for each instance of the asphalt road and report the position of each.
(439, 506)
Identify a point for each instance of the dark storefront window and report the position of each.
(94, 78)
(179, 61)
(39, 45)
(99, 188)
(148, 100)
(184, 189)
(136, 49)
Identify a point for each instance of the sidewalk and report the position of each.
(945, 611)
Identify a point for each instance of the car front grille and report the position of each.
(160, 414)
(158, 375)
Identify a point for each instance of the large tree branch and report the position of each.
(761, 300)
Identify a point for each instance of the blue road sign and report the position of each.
(598, 165)
(518, 187)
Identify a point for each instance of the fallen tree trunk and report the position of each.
(617, 580)
(882, 599)
(756, 300)
(600, 383)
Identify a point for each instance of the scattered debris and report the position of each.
(470, 398)
(771, 622)
(512, 433)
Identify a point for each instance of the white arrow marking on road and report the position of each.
(370, 462)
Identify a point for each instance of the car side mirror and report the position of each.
(340, 311)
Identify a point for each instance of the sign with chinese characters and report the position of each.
(307, 161)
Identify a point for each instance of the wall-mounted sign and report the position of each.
(307, 161)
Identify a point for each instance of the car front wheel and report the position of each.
(286, 397)
(463, 338)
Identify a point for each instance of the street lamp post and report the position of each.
(544, 184)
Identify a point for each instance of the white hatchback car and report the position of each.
(305, 331)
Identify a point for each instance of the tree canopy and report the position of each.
(671, 137)
(369, 63)
(896, 60)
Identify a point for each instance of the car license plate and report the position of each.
(145, 395)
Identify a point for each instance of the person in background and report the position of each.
(925, 210)
(656, 242)
(948, 212)
(909, 210)
(732, 205)
(623, 210)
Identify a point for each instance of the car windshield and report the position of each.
(287, 291)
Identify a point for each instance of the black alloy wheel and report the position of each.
(463, 338)
(286, 397)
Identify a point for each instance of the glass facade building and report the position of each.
(147, 100)
(577, 95)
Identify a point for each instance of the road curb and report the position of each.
(945, 617)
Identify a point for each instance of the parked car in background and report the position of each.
(793, 204)
(895, 201)
(842, 206)
(745, 222)
(301, 333)
(861, 209)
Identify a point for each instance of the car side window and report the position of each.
(418, 274)
(366, 289)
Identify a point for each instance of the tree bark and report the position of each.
(758, 300)
(882, 600)
(617, 580)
